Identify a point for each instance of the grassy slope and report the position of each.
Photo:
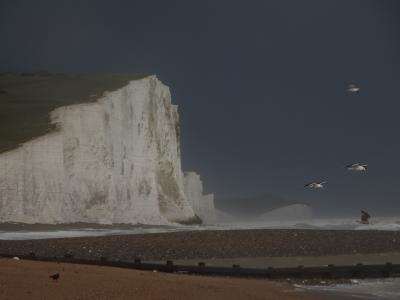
(27, 99)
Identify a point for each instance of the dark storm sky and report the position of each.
(260, 85)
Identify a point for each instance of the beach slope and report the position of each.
(21, 279)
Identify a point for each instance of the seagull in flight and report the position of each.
(358, 167)
(352, 88)
(316, 185)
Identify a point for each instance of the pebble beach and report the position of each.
(211, 244)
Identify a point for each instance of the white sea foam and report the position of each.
(85, 232)
(370, 288)
(381, 223)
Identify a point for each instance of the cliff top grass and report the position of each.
(26, 99)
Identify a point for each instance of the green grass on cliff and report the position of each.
(26, 100)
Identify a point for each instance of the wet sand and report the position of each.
(30, 280)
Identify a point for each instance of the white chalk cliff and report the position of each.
(116, 160)
(203, 205)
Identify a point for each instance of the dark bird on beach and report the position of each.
(316, 185)
(55, 276)
(352, 88)
(357, 167)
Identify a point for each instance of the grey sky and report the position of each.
(260, 85)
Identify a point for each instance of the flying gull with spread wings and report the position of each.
(316, 184)
(358, 167)
(353, 88)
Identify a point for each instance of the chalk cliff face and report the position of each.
(203, 205)
(116, 160)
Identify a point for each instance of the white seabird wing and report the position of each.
(352, 165)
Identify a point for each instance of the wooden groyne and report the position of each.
(358, 271)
